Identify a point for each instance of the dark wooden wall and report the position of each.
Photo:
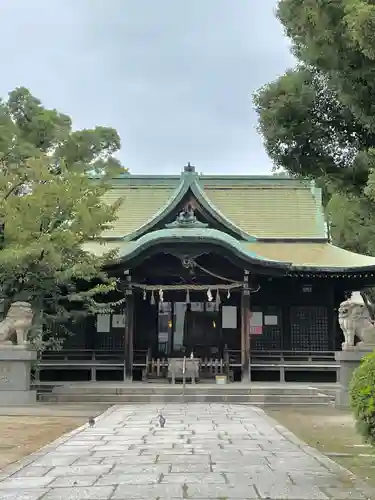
(306, 312)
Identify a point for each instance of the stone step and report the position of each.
(195, 390)
(285, 399)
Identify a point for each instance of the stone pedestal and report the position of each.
(348, 360)
(15, 368)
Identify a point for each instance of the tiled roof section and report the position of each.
(311, 254)
(269, 209)
(263, 207)
(304, 254)
(139, 204)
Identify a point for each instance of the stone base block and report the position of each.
(348, 360)
(17, 398)
(15, 368)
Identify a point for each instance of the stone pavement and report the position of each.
(204, 452)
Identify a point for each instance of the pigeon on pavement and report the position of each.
(161, 420)
(91, 421)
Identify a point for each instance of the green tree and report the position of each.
(51, 183)
(318, 119)
(362, 398)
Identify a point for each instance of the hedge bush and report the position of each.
(362, 398)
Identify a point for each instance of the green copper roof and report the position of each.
(191, 235)
(264, 220)
(189, 183)
(247, 206)
(318, 256)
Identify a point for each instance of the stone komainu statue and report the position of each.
(355, 321)
(16, 324)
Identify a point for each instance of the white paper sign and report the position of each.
(229, 317)
(118, 321)
(271, 320)
(256, 319)
(103, 323)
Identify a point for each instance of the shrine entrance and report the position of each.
(185, 328)
(207, 330)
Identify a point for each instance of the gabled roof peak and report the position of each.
(189, 186)
(189, 168)
(246, 207)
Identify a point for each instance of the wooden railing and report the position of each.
(83, 355)
(81, 359)
(103, 359)
(291, 361)
(295, 356)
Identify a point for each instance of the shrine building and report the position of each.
(237, 272)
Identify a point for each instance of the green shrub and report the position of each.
(362, 397)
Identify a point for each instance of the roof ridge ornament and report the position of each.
(189, 167)
(186, 218)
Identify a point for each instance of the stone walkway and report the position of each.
(204, 452)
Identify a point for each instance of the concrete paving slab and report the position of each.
(205, 451)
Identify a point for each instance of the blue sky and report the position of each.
(175, 78)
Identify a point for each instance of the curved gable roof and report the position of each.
(247, 207)
(302, 256)
(189, 184)
(196, 236)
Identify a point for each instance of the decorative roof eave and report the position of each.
(197, 235)
(189, 180)
(296, 239)
(332, 272)
(186, 229)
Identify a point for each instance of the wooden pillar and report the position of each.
(129, 328)
(245, 329)
(332, 317)
(130, 315)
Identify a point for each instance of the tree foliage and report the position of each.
(52, 179)
(318, 119)
(362, 398)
